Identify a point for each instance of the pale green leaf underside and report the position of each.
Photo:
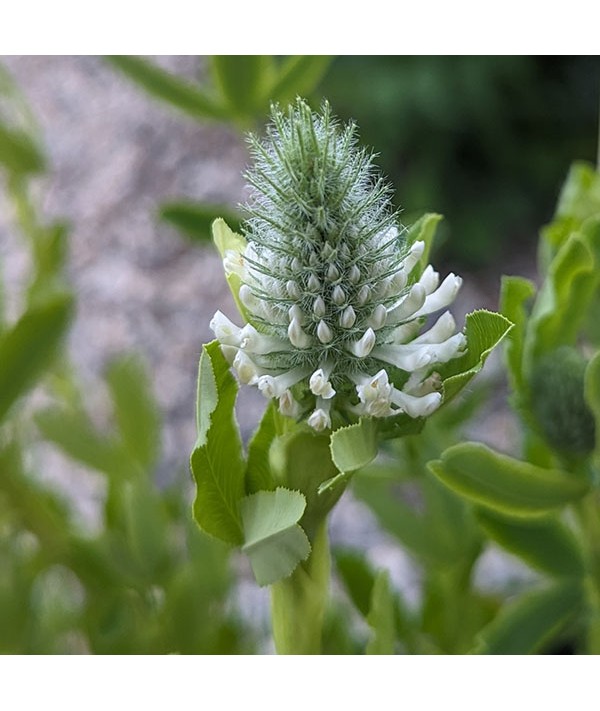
(505, 484)
(228, 241)
(273, 540)
(355, 446)
(381, 617)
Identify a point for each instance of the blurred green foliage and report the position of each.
(485, 140)
(148, 580)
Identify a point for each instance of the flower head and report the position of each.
(333, 294)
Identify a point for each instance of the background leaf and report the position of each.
(163, 85)
(514, 294)
(242, 81)
(297, 76)
(592, 397)
(381, 617)
(546, 544)
(505, 484)
(523, 626)
(424, 230)
(560, 308)
(19, 153)
(273, 540)
(28, 347)
(72, 431)
(357, 576)
(135, 410)
(194, 219)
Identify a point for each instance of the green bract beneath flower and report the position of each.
(333, 295)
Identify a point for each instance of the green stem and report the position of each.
(589, 517)
(298, 602)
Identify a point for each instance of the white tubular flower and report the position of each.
(375, 394)
(233, 263)
(320, 420)
(416, 406)
(226, 332)
(288, 405)
(319, 382)
(246, 369)
(332, 292)
(275, 386)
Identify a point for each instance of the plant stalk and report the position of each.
(298, 603)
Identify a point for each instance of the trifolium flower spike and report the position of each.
(334, 296)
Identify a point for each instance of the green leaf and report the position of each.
(50, 255)
(580, 195)
(381, 617)
(578, 201)
(145, 526)
(401, 520)
(135, 409)
(572, 280)
(217, 464)
(302, 460)
(400, 425)
(72, 431)
(591, 393)
(358, 579)
(357, 576)
(18, 152)
(242, 81)
(258, 469)
(194, 219)
(228, 241)
(546, 544)
(424, 230)
(514, 294)
(273, 540)
(505, 484)
(523, 626)
(297, 76)
(484, 330)
(354, 446)
(28, 347)
(163, 85)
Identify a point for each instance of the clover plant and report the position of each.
(334, 294)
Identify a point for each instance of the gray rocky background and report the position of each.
(115, 155)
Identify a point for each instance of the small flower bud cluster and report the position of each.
(333, 295)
